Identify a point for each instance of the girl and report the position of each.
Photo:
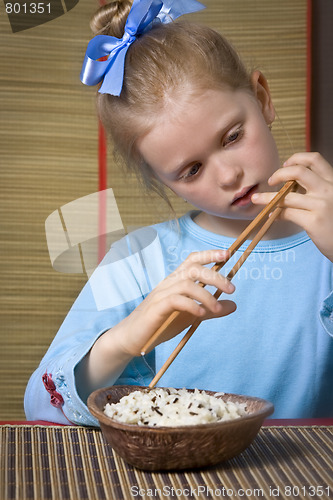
(183, 111)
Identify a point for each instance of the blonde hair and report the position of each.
(169, 59)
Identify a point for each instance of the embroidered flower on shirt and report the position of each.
(56, 398)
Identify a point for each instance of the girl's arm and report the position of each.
(100, 340)
(311, 209)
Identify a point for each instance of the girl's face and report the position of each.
(215, 150)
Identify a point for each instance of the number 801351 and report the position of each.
(28, 8)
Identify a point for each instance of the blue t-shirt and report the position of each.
(278, 345)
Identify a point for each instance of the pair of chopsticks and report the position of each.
(272, 211)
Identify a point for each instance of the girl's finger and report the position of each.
(292, 200)
(305, 177)
(190, 311)
(314, 161)
(303, 218)
(205, 275)
(205, 257)
(225, 308)
(187, 288)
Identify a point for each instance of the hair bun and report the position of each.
(110, 19)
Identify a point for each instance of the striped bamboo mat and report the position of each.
(61, 463)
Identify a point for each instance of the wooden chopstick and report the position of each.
(217, 294)
(289, 186)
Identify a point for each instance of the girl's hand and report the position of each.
(180, 291)
(312, 207)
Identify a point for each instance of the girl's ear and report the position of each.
(263, 95)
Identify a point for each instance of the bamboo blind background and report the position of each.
(48, 151)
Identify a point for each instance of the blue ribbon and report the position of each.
(142, 17)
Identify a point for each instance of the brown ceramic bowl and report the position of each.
(185, 447)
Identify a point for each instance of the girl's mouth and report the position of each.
(243, 198)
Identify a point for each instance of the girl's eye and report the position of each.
(233, 137)
(192, 171)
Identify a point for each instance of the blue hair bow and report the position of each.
(142, 16)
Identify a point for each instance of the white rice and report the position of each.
(173, 407)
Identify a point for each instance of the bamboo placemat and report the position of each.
(72, 463)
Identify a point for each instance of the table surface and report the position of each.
(45, 462)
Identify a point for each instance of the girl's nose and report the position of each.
(227, 173)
